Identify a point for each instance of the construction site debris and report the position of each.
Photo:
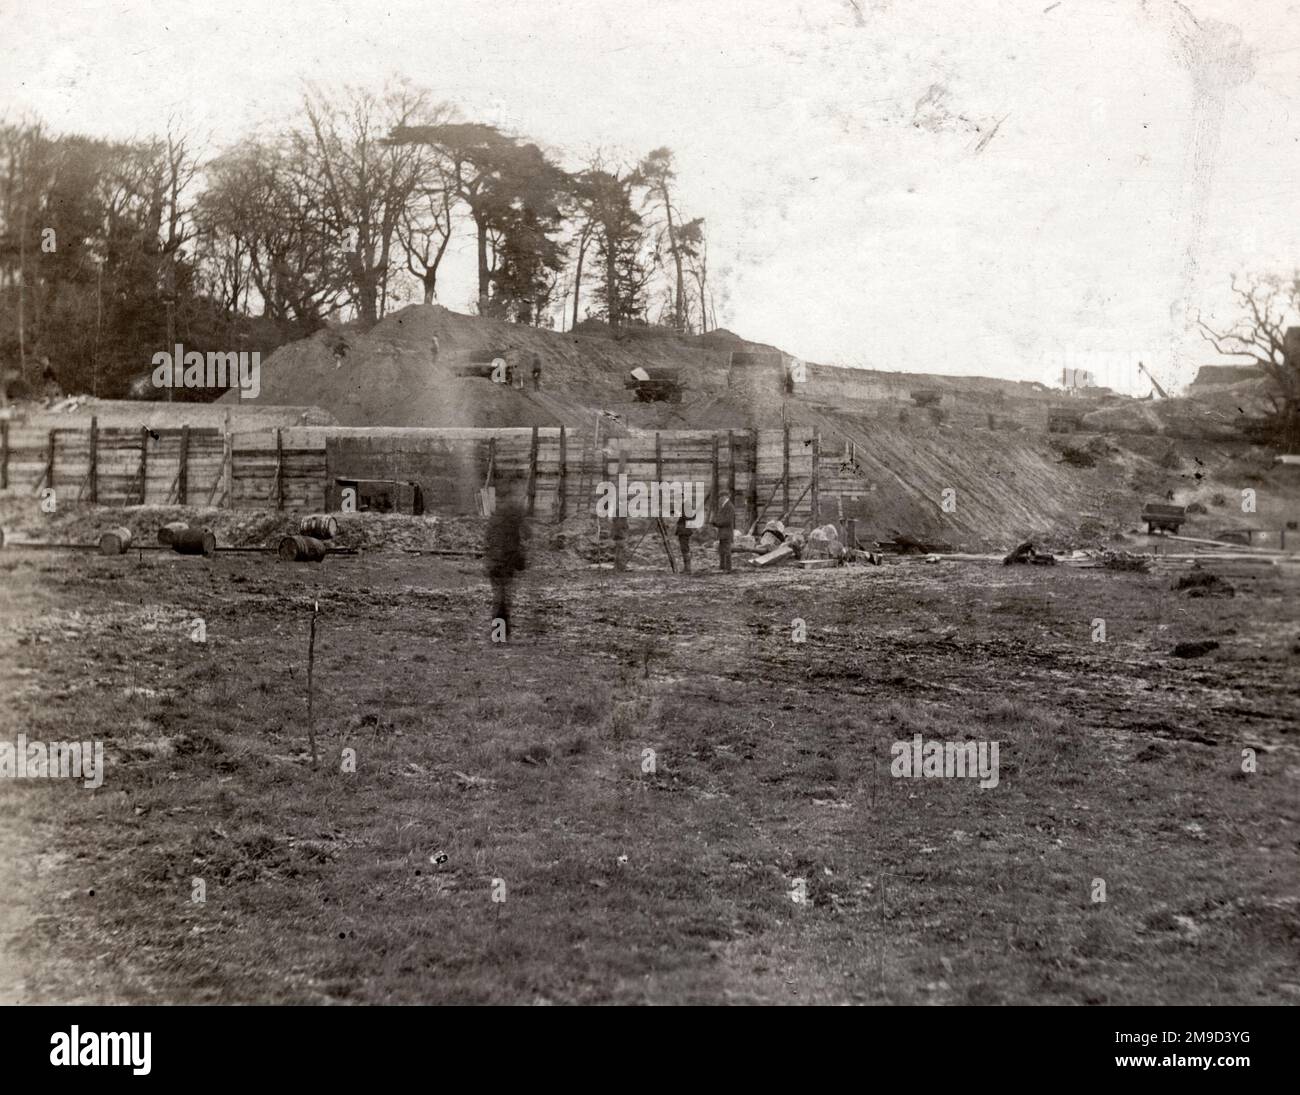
(167, 533)
(322, 526)
(301, 549)
(825, 542)
(773, 534)
(1203, 583)
(115, 541)
(1025, 553)
(857, 555)
(902, 544)
(776, 555)
(1194, 649)
(1124, 560)
(195, 541)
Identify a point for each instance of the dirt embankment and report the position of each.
(984, 439)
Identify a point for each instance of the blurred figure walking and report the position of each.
(504, 553)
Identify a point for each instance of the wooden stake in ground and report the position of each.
(311, 663)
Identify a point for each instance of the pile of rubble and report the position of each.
(820, 547)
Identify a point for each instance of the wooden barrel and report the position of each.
(115, 541)
(301, 549)
(167, 534)
(194, 541)
(321, 526)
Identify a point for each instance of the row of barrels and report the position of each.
(307, 546)
(180, 537)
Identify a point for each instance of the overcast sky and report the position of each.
(862, 208)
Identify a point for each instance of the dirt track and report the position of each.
(524, 763)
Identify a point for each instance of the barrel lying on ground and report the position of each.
(320, 526)
(301, 549)
(167, 534)
(194, 541)
(115, 541)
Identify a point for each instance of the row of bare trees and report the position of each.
(111, 250)
(370, 189)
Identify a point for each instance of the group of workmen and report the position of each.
(724, 520)
(505, 546)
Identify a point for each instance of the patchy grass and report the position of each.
(646, 774)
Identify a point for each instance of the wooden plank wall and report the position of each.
(293, 466)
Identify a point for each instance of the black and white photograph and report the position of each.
(688, 503)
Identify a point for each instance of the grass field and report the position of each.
(507, 837)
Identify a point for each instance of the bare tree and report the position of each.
(424, 231)
(1261, 333)
(367, 182)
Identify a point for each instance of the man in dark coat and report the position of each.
(504, 554)
(724, 520)
(684, 542)
(618, 533)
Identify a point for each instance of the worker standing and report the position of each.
(684, 542)
(537, 371)
(618, 532)
(724, 520)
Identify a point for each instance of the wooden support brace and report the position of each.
(227, 465)
(785, 467)
(731, 467)
(713, 487)
(816, 496)
(562, 502)
(144, 464)
(279, 469)
(532, 472)
(753, 478)
(183, 469)
(94, 460)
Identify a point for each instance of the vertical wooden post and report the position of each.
(279, 469)
(785, 470)
(183, 472)
(713, 487)
(94, 460)
(659, 461)
(753, 479)
(227, 465)
(49, 460)
(532, 472)
(4, 453)
(731, 466)
(564, 473)
(816, 496)
(144, 464)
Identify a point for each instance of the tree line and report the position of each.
(113, 250)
